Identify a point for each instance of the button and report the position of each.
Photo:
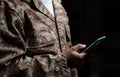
(57, 69)
(58, 59)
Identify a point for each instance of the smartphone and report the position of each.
(93, 45)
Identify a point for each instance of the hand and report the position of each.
(74, 58)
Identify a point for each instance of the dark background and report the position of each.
(90, 19)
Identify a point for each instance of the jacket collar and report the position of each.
(43, 9)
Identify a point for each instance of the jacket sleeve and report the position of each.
(12, 44)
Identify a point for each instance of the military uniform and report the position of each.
(32, 41)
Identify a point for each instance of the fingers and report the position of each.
(76, 48)
(79, 55)
(82, 55)
(76, 59)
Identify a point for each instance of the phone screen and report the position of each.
(93, 45)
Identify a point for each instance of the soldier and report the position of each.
(35, 40)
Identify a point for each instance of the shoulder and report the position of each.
(13, 8)
(59, 1)
(11, 4)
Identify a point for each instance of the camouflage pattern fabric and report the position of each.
(32, 41)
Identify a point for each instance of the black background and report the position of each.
(90, 19)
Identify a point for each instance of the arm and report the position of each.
(12, 42)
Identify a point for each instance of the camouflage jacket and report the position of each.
(32, 41)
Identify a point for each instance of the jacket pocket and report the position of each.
(42, 42)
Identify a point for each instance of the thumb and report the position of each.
(78, 46)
